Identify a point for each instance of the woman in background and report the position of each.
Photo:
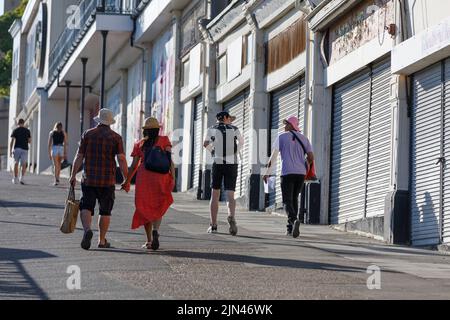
(153, 195)
(57, 149)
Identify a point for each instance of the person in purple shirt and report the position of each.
(292, 147)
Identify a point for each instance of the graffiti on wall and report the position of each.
(162, 81)
(363, 24)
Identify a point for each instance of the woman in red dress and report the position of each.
(153, 195)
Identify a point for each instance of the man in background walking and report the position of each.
(20, 139)
(292, 146)
(224, 141)
(97, 152)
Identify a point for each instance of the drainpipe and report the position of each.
(144, 62)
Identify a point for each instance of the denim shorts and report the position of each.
(58, 151)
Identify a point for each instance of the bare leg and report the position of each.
(157, 224)
(86, 219)
(24, 169)
(57, 164)
(214, 206)
(103, 226)
(148, 230)
(231, 203)
(16, 170)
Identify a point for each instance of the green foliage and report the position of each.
(6, 44)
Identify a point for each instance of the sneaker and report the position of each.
(86, 242)
(22, 181)
(15, 181)
(212, 229)
(296, 232)
(289, 228)
(233, 226)
(155, 240)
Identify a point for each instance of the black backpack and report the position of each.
(157, 160)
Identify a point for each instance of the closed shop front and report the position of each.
(197, 142)
(361, 145)
(239, 107)
(288, 101)
(430, 152)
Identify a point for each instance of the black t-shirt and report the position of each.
(21, 135)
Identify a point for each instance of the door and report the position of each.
(351, 110)
(288, 101)
(430, 136)
(380, 139)
(197, 142)
(239, 107)
(361, 145)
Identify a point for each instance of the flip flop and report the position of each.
(86, 242)
(107, 245)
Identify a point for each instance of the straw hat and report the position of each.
(151, 123)
(105, 116)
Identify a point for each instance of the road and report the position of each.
(260, 263)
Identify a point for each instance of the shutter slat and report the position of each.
(426, 148)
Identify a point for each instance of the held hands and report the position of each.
(126, 186)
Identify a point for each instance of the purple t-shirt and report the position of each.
(291, 152)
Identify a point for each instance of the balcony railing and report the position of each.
(76, 29)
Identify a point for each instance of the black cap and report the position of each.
(224, 114)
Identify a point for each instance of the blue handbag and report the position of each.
(157, 160)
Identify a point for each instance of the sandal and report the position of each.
(146, 245)
(107, 245)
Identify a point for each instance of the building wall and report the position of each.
(4, 138)
(423, 14)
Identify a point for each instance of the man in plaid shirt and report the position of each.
(97, 153)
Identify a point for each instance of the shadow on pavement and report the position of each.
(262, 261)
(15, 282)
(17, 204)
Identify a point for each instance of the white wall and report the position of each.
(426, 13)
(50, 112)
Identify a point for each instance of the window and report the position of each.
(15, 65)
(185, 75)
(247, 49)
(286, 46)
(222, 72)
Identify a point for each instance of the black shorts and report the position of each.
(105, 197)
(224, 172)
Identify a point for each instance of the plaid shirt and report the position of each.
(100, 146)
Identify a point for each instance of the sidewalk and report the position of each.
(259, 263)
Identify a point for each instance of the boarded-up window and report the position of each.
(190, 32)
(286, 46)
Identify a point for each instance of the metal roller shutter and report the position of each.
(197, 141)
(351, 109)
(238, 107)
(378, 172)
(446, 210)
(286, 102)
(426, 138)
(245, 161)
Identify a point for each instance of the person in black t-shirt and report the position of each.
(225, 142)
(57, 149)
(20, 139)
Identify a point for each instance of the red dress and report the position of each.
(153, 194)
